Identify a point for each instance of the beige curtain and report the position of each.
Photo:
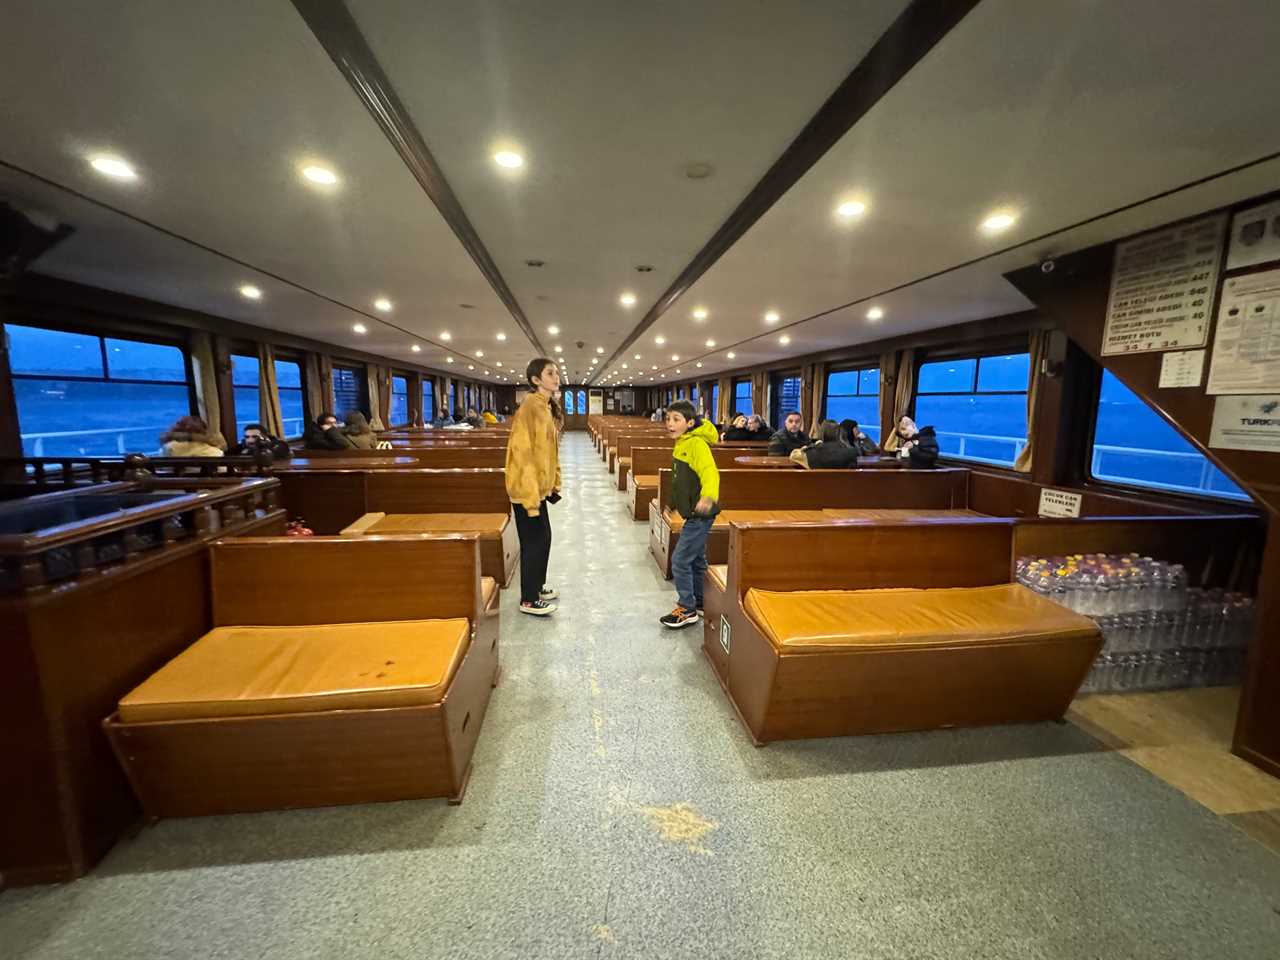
(269, 413)
(446, 393)
(903, 384)
(725, 406)
(208, 405)
(760, 394)
(313, 380)
(1039, 344)
(813, 391)
(373, 384)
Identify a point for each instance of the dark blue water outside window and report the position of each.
(977, 405)
(855, 395)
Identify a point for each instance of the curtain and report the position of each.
(446, 393)
(726, 400)
(384, 394)
(903, 384)
(208, 404)
(1039, 348)
(313, 381)
(760, 394)
(269, 413)
(373, 384)
(813, 390)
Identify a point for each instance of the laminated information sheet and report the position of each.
(1162, 287)
(1246, 345)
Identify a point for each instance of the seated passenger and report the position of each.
(901, 435)
(441, 419)
(325, 434)
(659, 416)
(854, 437)
(357, 430)
(488, 416)
(738, 429)
(474, 418)
(189, 437)
(255, 439)
(828, 451)
(922, 449)
(790, 437)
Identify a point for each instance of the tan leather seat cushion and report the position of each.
(820, 620)
(719, 574)
(485, 524)
(874, 514)
(625, 460)
(647, 480)
(725, 517)
(488, 587)
(245, 671)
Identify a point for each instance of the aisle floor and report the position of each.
(617, 810)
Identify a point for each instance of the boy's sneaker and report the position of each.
(548, 593)
(538, 608)
(679, 617)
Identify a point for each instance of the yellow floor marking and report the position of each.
(681, 823)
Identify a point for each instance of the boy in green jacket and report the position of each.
(694, 492)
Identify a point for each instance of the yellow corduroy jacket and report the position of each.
(533, 454)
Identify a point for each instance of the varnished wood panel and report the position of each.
(945, 489)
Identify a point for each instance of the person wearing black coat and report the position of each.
(737, 429)
(324, 434)
(923, 450)
(854, 437)
(790, 437)
(256, 438)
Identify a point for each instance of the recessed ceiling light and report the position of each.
(559, 349)
(594, 361)
(851, 208)
(698, 364)
(624, 366)
(553, 330)
(446, 336)
(659, 340)
(875, 313)
(113, 166)
(711, 343)
(448, 359)
(359, 328)
(700, 313)
(383, 304)
(509, 159)
(415, 348)
(479, 353)
(628, 299)
(772, 317)
(251, 292)
(599, 349)
(502, 336)
(784, 339)
(999, 220)
(654, 367)
(319, 174)
(731, 355)
(486, 373)
(471, 366)
(498, 364)
(636, 357)
(675, 357)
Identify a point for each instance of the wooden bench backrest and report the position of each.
(460, 455)
(629, 440)
(271, 581)
(851, 555)
(777, 489)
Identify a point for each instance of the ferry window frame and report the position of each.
(104, 332)
(776, 380)
(427, 397)
(302, 388)
(949, 356)
(867, 366)
(737, 398)
(256, 388)
(408, 398)
(1133, 486)
(362, 388)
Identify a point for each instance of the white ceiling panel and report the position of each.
(1062, 112)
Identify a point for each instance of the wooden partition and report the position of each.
(437, 457)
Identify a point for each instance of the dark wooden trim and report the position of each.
(339, 34)
(912, 35)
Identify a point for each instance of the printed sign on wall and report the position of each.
(1162, 288)
(1255, 236)
(1246, 423)
(1059, 503)
(1183, 368)
(1246, 345)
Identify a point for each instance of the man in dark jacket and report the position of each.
(325, 435)
(256, 438)
(922, 450)
(790, 437)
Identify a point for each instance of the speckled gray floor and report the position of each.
(617, 810)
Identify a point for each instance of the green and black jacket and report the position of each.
(695, 473)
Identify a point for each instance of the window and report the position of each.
(582, 403)
(855, 395)
(399, 412)
(741, 398)
(348, 391)
(455, 400)
(244, 390)
(84, 395)
(428, 399)
(568, 403)
(715, 400)
(293, 414)
(786, 395)
(1133, 445)
(978, 405)
(693, 394)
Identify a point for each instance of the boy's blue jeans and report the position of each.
(689, 562)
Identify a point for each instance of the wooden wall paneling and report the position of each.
(326, 500)
(1257, 733)
(481, 490)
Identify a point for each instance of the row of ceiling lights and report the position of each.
(120, 169)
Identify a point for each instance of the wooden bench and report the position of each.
(306, 695)
(438, 457)
(812, 495)
(332, 501)
(836, 629)
(650, 458)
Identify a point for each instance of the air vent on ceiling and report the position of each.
(535, 263)
(644, 268)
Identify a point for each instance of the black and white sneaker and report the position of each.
(679, 617)
(548, 593)
(538, 608)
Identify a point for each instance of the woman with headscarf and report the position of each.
(357, 430)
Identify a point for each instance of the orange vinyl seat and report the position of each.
(844, 513)
(646, 480)
(251, 671)
(485, 524)
(908, 618)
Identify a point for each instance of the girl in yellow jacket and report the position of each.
(533, 481)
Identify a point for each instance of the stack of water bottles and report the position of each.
(1158, 633)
